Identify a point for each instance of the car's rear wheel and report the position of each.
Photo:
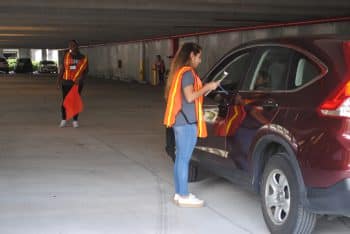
(281, 202)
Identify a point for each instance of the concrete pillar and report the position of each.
(44, 54)
(24, 53)
(61, 54)
(142, 63)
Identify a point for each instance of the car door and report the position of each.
(216, 104)
(262, 98)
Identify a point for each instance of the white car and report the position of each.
(47, 67)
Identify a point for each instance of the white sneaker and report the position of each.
(190, 201)
(177, 196)
(75, 124)
(63, 123)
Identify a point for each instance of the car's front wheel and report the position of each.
(281, 202)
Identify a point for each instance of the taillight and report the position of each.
(338, 104)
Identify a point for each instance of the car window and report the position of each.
(304, 72)
(271, 70)
(232, 70)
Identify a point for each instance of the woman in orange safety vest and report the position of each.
(184, 94)
(73, 72)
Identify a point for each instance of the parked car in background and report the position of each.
(4, 66)
(47, 67)
(23, 65)
(280, 123)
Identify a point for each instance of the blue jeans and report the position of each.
(185, 140)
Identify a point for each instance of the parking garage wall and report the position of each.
(103, 60)
(125, 61)
(152, 49)
(114, 61)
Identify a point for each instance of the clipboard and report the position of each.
(223, 76)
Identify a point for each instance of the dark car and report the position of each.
(47, 67)
(4, 66)
(23, 65)
(280, 123)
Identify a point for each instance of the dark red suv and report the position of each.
(280, 123)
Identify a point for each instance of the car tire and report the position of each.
(281, 202)
(193, 172)
(170, 143)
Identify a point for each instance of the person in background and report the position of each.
(160, 69)
(184, 94)
(263, 81)
(73, 72)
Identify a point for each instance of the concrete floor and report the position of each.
(109, 176)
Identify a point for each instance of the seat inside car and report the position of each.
(277, 72)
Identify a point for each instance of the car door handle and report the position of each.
(270, 104)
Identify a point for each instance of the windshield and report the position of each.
(47, 62)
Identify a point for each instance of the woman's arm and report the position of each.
(60, 76)
(191, 95)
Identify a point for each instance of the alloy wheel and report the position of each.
(277, 197)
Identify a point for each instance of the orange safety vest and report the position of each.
(71, 73)
(174, 103)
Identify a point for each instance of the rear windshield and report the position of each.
(48, 62)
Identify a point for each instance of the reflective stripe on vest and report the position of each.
(174, 103)
(73, 74)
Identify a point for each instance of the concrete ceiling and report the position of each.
(50, 23)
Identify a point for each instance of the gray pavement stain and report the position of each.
(245, 230)
(163, 222)
(163, 202)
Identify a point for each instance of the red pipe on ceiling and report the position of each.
(237, 29)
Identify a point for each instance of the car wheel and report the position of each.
(170, 143)
(281, 202)
(193, 172)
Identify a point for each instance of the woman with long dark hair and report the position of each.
(184, 94)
